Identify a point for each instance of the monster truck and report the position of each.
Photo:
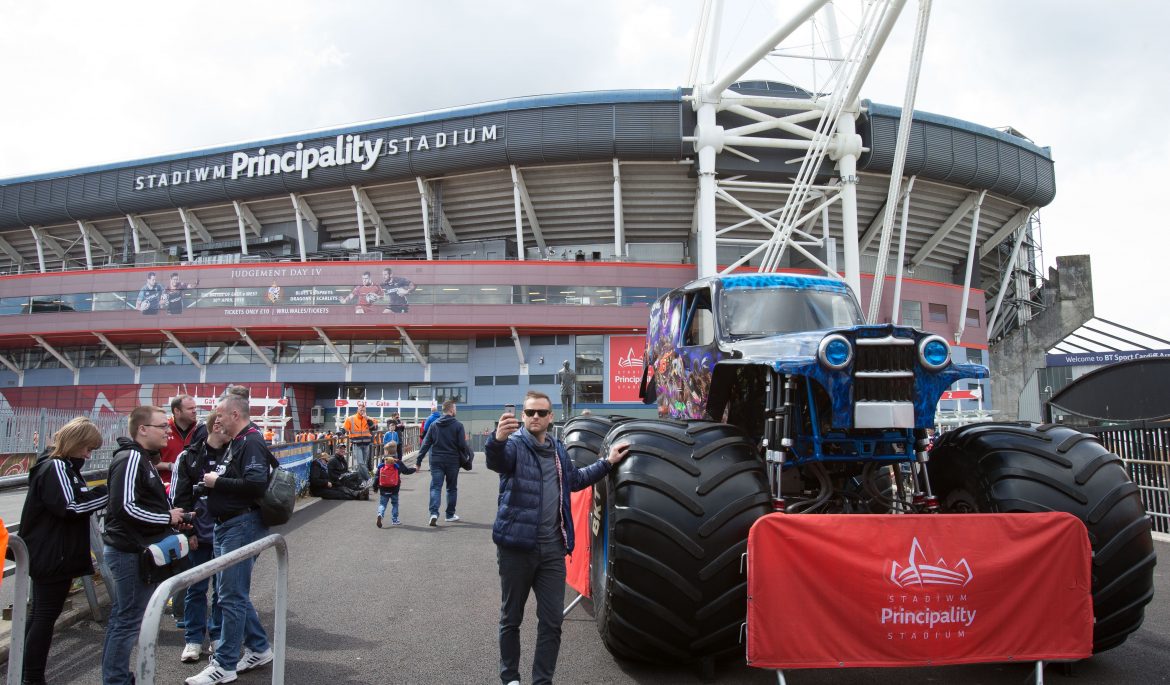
(775, 396)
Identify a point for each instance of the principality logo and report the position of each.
(630, 361)
(917, 572)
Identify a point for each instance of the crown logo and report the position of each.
(629, 361)
(918, 572)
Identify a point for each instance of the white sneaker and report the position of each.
(211, 675)
(252, 659)
(191, 652)
(452, 518)
(434, 521)
(514, 682)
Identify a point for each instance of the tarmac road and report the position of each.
(416, 604)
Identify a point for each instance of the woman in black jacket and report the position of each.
(55, 526)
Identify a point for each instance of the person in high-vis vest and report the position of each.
(357, 429)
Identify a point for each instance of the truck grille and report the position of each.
(883, 370)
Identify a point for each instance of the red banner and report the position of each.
(577, 563)
(862, 591)
(625, 367)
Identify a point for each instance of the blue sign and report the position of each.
(1094, 358)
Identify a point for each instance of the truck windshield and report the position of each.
(771, 311)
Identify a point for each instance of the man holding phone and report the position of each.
(533, 530)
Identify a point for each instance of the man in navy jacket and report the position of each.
(534, 529)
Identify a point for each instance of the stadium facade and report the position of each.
(461, 253)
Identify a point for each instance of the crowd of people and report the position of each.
(175, 483)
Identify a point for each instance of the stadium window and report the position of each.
(972, 318)
(911, 313)
(543, 379)
(507, 380)
(938, 313)
(481, 343)
(542, 340)
(485, 380)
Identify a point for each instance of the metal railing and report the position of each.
(19, 608)
(1145, 449)
(148, 634)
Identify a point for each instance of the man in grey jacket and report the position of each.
(447, 442)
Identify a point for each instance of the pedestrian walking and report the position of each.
(446, 440)
(389, 480)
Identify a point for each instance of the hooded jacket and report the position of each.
(198, 459)
(445, 440)
(521, 489)
(139, 512)
(55, 520)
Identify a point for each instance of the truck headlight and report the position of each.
(835, 352)
(934, 352)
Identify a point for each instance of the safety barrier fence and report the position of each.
(26, 431)
(1145, 449)
(148, 635)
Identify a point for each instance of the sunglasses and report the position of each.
(537, 412)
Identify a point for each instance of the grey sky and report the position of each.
(88, 83)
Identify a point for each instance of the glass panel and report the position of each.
(45, 304)
(770, 311)
(484, 380)
(938, 313)
(507, 380)
(638, 296)
(911, 312)
(13, 305)
(77, 302)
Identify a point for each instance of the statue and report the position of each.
(568, 381)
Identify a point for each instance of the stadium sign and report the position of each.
(344, 150)
(1093, 358)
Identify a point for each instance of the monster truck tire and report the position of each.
(1028, 468)
(583, 435)
(668, 528)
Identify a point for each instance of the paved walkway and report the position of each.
(416, 604)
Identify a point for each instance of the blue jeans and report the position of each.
(196, 626)
(360, 459)
(441, 470)
(239, 622)
(392, 498)
(126, 609)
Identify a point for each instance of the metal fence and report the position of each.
(1145, 448)
(24, 432)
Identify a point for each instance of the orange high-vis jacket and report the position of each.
(357, 428)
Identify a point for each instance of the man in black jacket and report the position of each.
(447, 442)
(233, 488)
(200, 458)
(139, 514)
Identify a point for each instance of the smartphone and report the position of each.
(510, 409)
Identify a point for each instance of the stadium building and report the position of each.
(466, 253)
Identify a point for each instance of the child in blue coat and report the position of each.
(389, 479)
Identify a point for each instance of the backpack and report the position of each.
(388, 476)
(280, 495)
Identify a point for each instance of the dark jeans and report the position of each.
(541, 571)
(239, 623)
(196, 625)
(440, 471)
(48, 599)
(129, 603)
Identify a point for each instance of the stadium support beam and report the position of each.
(92, 237)
(414, 351)
(246, 218)
(12, 253)
(1008, 228)
(40, 248)
(192, 223)
(14, 369)
(141, 230)
(185, 351)
(60, 357)
(120, 355)
(943, 231)
(519, 351)
(49, 241)
(304, 213)
(619, 221)
(365, 204)
(336, 353)
(259, 353)
(970, 268)
(530, 212)
(1013, 259)
(516, 205)
(424, 198)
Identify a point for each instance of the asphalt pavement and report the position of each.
(415, 604)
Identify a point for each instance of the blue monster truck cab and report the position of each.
(789, 359)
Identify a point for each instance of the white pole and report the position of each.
(970, 268)
(901, 253)
(846, 128)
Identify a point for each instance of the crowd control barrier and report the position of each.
(148, 634)
(925, 590)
